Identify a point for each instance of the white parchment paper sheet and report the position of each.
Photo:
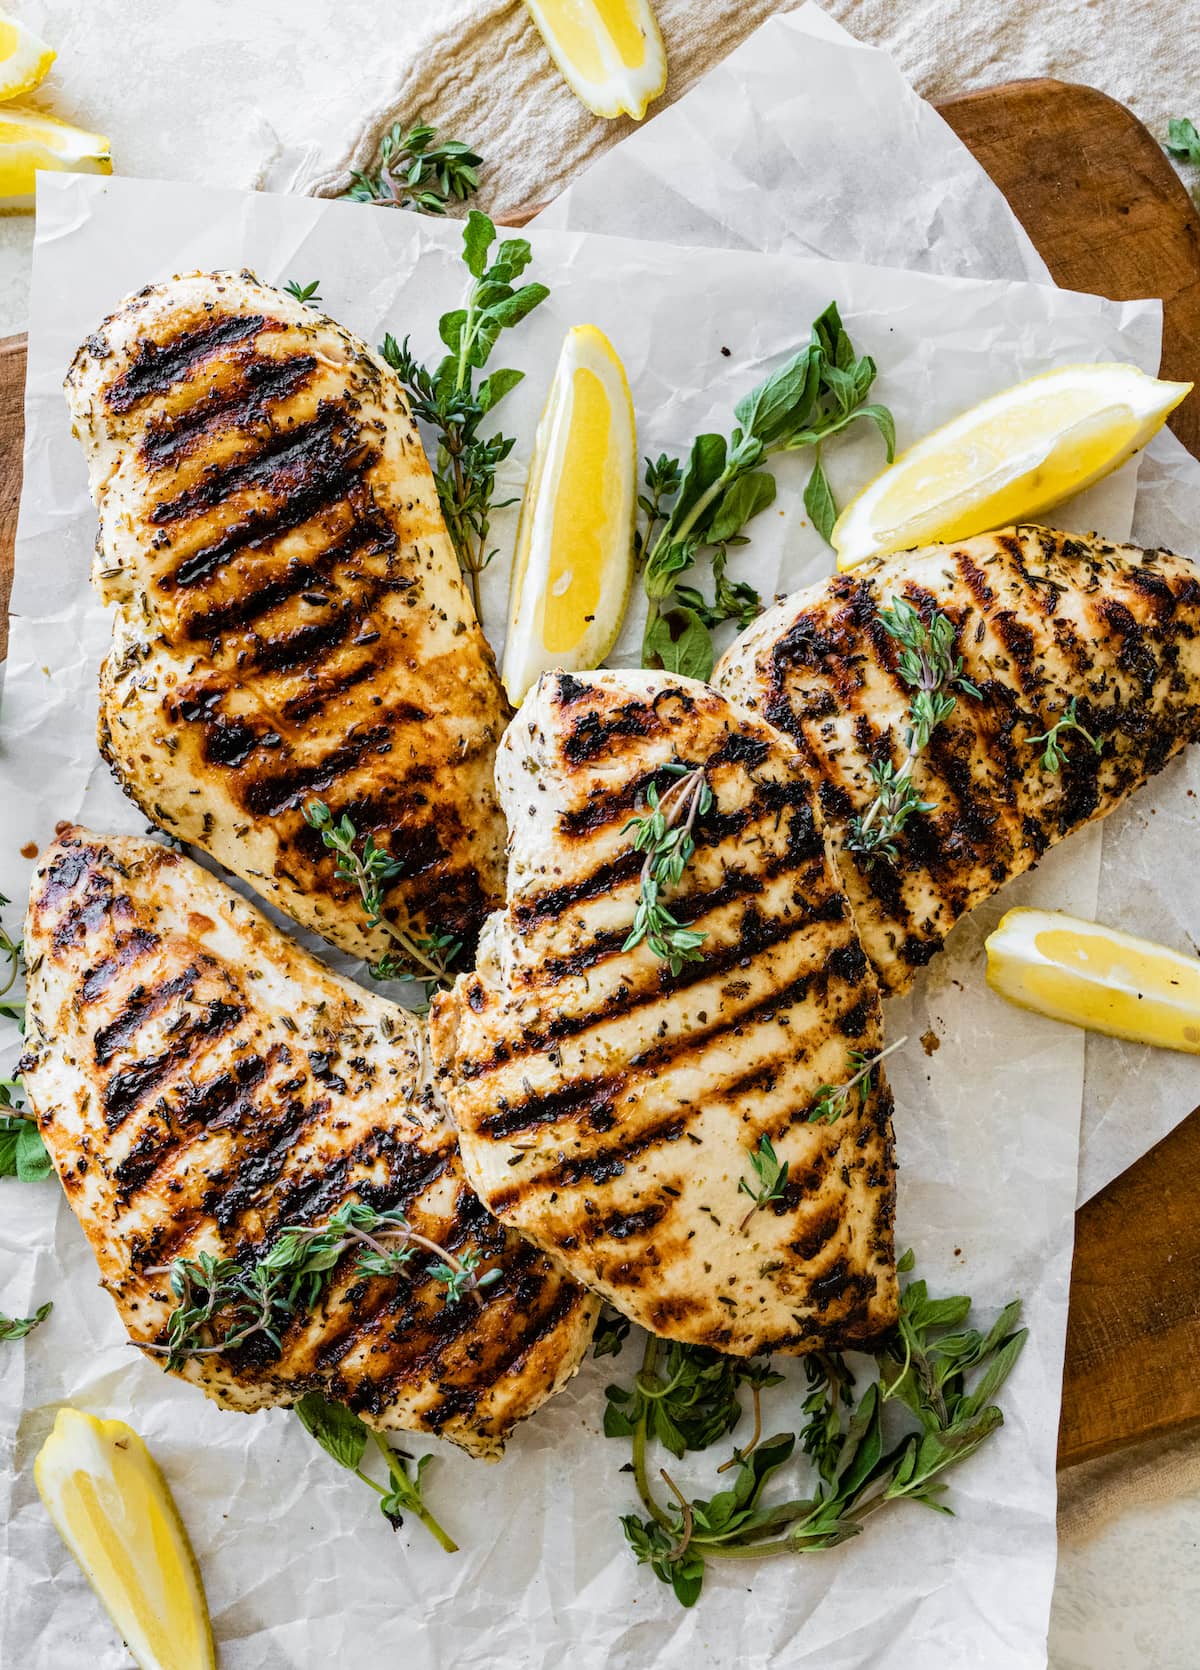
(301, 1570)
(805, 141)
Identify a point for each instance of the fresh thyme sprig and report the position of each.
(1055, 754)
(428, 958)
(708, 502)
(417, 171)
(16, 1327)
(832, 1101)
(222, 1303)
(344, 1436)
(10, 950)
(943, 1372)
(305, 293)
(448, 400)
(931, 669)
(664, 834)
(770, 1178)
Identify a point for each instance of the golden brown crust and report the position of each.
(200, 1083)
(1041, 619)
(290, 620)
(609, 1109)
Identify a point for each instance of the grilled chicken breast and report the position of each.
(200, 1082)
(1041, 620)
(290, 622)
(610, 1110)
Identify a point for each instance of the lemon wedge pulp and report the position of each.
(610, 52)
(1096, 977)
(574, 561)
(112, 1508)
(1008, 460)
(30, 140)
(25, 59)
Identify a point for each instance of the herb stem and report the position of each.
(413, 1501)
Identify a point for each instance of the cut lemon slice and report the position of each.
(610, 52)
(1096, 977)
(29, 141)
(113, 1510)
(574, 561)
(25, 59)
(1007, 460)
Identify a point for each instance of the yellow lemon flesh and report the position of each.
(1008, 460)
(112, 1508)
(29, 141)
(1096, 977)
(610, 52)
(574, 561)
(25, 59)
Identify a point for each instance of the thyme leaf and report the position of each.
(305, 293)
(429, 957)
(931, 669)
(664, 834)
(16, 1327)
(833, 1101)
(1055, 754)
(418, 171)
(770, 1178)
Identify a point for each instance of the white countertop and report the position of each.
(215, 89)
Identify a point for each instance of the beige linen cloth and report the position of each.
(481, 73)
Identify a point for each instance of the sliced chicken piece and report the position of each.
(609, 1109)
(290, 621)
(1041, 620)
(201, 1083)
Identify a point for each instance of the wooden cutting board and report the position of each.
(1107, 213)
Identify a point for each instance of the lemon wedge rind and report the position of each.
(1096, 977)
(573, 568)
(25, 59)
(113, 1509)
(610, 52)
(1008, 460)
(30, 140)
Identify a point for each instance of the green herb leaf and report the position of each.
(1183, 140)
(417, 171)
(16, 1327)
(337, 1429)
(818, 501)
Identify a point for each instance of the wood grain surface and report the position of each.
(1108, 214)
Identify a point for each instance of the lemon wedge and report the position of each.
(1096, 977)
(25, 59)
(1007, 460)
(30, 140)
(574, 560)
(113, 1510)
(610, 52)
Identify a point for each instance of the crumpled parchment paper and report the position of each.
(300, 1568)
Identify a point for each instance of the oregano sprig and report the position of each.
(418, 171)
(664, 834)
(945, 1373)
(450, 402)
(708, 502)
(341, 1434)
(929, 666)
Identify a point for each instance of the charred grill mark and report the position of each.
(128, 948)
(312, 478)
(266, 383)
(138, 1008)
(126, 1089)
(576, 1099)
(624, 1226)
(157, 366)
(368, 536)
(599, 1165)
(295, 460)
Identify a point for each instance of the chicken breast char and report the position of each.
(200, 1083)
(1041, 619)
(290, 621)
(609, 1109)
